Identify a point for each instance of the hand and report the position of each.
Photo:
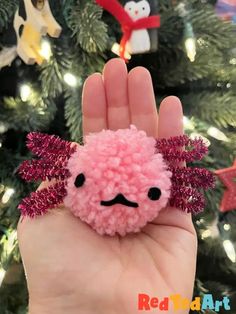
(69, 267)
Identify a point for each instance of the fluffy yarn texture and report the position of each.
(117, 165)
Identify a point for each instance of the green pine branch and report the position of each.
(7, 10)
(51, 72)
(89, 31)
(33, 115)
(73, 114)
(216, 108)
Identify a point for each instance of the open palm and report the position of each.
(69, 267)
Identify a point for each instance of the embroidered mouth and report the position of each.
(119, 199)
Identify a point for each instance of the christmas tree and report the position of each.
(195, 60)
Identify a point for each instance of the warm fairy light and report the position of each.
(46, 51)
(230, 251)
(188, 124)
(2, 275)
(201, 42)
(227, 227)
(181, 8)
(233, 61)
(190, 45)
(70, 79)
(11, 242)
(116, 50)
(206, 234)
(0, 144)
(3, 128)
(25, 92)
(217, 134)
(189, 37)
(190, 41)
(7, 195)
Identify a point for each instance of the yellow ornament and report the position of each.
(32, 21)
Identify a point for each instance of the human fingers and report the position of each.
(94, 106)
(115, 76)
(142, 101)
(171, 124)
(170, 118)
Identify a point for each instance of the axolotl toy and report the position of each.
(116, 182)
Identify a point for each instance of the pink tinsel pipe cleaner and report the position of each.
(118, 181)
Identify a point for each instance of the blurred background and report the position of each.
(192, 55)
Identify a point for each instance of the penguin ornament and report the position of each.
(139, 41)
(33, 20)
(139, 22)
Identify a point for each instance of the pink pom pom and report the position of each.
(118, 182)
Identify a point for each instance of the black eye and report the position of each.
(154, 194)
(143, 8)
(79, 181)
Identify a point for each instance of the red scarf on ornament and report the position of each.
(127, 24)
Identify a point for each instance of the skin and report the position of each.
(69, 267)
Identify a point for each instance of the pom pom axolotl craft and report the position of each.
(118, 181)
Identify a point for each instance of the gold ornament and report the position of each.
(32, 21)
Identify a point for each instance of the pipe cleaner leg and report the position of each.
(194, 177)
(187, 199)
(186, 191)
(39, 202)
(50, 146)
(43, 169)
(186, 181)
(171, 148)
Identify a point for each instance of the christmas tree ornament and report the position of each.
(226, 10)
(118, 181)
(228, 177)
(7, 55)
(139, 21)
(33, 20)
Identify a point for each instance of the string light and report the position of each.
(233, 61)
(3, 128)
(217, 134)
(46, 51)
(190, 46)
(206, 234)
(2, 275)
(227, 227)
(25, 92)
(189, 37)
(181, 8)
(70, 79)
(7, 195)
(11, 242)
(9, 245)
(201, 42)
(188, 124)
(190, 41)
(116, 50)
(230, 251)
